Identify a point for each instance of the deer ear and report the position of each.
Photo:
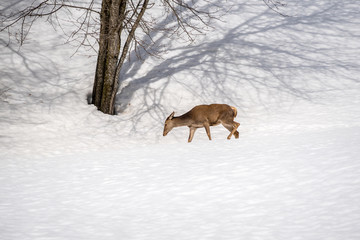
(171, 115)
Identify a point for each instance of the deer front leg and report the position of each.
(191, 135)
(207, 128)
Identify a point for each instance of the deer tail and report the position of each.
(234, 110)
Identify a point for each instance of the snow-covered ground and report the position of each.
(68, 171)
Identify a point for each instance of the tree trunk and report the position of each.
(106, 82)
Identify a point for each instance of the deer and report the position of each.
(205, 116)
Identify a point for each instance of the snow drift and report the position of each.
(69, 172)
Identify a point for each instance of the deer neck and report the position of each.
(183, 120)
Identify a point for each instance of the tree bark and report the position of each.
(106, 80)
(103, 42)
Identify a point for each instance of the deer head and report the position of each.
(169, 124)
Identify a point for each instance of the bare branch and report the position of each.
(27, 16)
(130, 37)
(275, 6)
(88, 9)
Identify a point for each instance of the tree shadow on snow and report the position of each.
(33, 81)
(265, 57)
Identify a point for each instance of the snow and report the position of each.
(68, 171)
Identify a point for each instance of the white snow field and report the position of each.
(70, 172)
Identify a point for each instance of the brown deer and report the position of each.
(205, 116)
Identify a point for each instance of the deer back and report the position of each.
(213, 113)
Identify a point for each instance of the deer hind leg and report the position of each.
(191, 135)
(236, 134)
(232, 127)
(236, 125)
(207, 128)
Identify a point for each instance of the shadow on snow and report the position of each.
(265, 57)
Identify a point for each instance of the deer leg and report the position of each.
(236, 134)
(207, 128)
(230, 128)
(191, 135)
(236, 125)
